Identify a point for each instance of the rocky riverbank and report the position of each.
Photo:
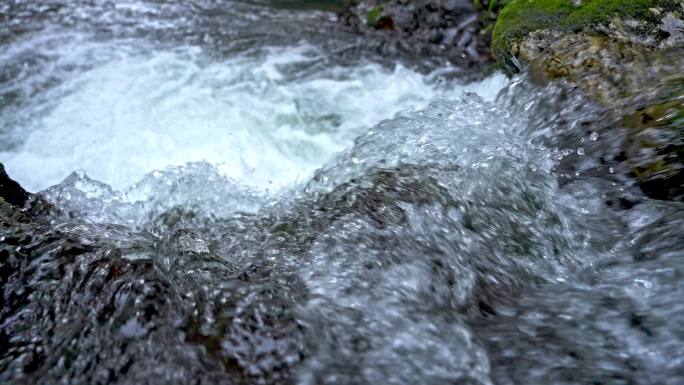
(453, 238)
(454, 32)
(625, 55)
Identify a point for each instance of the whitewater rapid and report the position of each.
(262, 118)
(234, 194)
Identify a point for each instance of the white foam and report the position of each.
(249, 116)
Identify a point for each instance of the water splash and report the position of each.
(258, 118)
(455, 241)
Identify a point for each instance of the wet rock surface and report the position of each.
(526, 30)
(468, 242)
(10, 190)
(78, 308)
(629, 60)
(447, 31)
(642, 89)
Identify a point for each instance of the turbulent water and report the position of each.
(237, 193)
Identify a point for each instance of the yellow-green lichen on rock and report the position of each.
(625, 55)
(610, 71)
(638, 20)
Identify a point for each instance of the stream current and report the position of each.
(244, 194)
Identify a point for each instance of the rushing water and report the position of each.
(263, 198)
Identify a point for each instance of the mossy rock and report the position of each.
(625, 55)
(612, 72)
(643, 88)
(519, 18)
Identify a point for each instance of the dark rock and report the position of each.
(405, 19)
(385, 22)
(436, 36)
(432, 5)
(434, 32)
(458, 6)
(10, 190)
(434, 19)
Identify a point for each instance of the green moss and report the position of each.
(520, 17)
(374, 15)
(492, 6)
